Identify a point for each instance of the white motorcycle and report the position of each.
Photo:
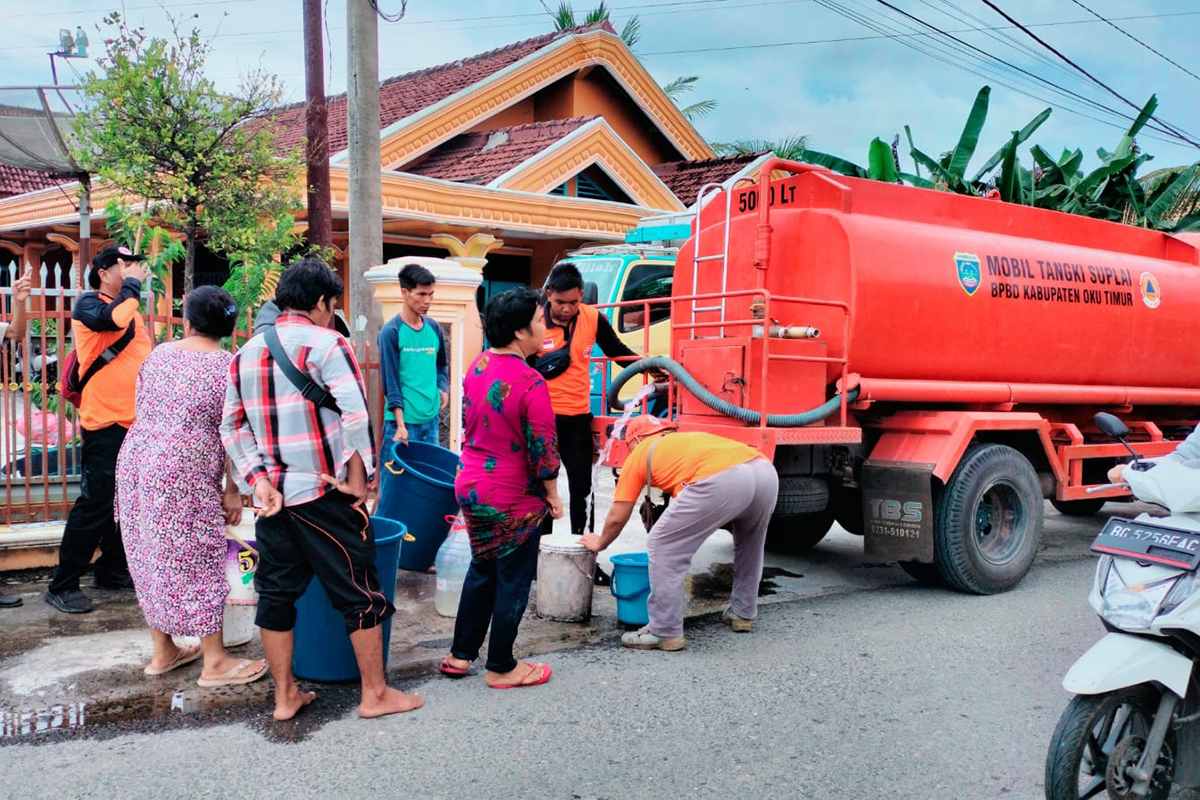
(1133, 727)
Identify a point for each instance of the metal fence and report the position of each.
(39, 432)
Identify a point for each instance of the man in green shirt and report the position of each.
(412, 361)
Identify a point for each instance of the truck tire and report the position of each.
(797, 533)
(1079, 508)
(801, 494)
(988, 520)
(848, 510)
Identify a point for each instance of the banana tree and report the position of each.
(950, 171)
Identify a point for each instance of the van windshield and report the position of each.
(601, 271)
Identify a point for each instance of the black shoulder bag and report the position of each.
(556, 362)
(313, 393)
(649, 510)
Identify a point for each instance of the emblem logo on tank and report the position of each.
(967, 266)
(1151, 291)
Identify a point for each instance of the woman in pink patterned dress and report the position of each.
(170, 502)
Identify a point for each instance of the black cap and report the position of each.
(109, 255)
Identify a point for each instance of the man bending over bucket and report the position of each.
(307, 459)
(714, 483)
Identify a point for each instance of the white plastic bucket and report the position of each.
(241, 559)
(564, 579)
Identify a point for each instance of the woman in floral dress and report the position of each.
(170, 502)
(506, 484)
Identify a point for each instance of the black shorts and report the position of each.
(327, 537)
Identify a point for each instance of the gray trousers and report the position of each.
(741, 499)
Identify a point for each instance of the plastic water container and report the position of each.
(323, 651)
(565, 573)
(453, 560)
(241, 604)
(417, 488)
(631, 586)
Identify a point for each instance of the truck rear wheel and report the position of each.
(988, 520)
(1079, 508)
(803, 514)
(798, 533)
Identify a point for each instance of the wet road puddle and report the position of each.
(175, 709)
(717, 583)
(25, 723)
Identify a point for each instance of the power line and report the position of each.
(1050, 84)
(1000, 36)
(106, 9)
(841, 39)
(1126, 33)
(972, 56)
(1083, 71)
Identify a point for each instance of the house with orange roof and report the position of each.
(516, 155)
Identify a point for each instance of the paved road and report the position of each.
(896, 692)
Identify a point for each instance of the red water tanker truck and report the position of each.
(924, 367)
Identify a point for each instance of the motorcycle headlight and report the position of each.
(1184, 588)
(1132, 607)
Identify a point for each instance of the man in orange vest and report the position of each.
(103, 320)
(568, 318)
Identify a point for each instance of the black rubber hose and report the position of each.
(717, 404)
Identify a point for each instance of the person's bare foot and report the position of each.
(288, 705)
(393, 701)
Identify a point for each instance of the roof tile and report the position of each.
(406, 94)
(685, 178)
(15, 180)
(482, 156)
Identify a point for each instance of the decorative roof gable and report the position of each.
(405, 95)
(482, 156)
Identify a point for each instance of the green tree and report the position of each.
(157, 128)
(565, 19)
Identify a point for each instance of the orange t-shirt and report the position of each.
(679, 459)
(571, 392)
(108, 397)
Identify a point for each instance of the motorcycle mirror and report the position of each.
(1111, 426)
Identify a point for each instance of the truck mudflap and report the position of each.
(897, 501)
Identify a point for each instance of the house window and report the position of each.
(592, 184)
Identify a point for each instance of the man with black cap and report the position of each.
(108, 330)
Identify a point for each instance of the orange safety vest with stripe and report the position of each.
(571, 392)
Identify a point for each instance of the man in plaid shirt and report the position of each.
(308, 468)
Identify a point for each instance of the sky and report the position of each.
(777, 68)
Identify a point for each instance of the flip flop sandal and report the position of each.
(185, 656)
(233, 678)
(546, 672)
(451, 671)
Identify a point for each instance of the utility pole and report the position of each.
(316, 129)
(366, 182)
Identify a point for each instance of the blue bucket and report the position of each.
(631, 586)
(417, 488)
(323, 651)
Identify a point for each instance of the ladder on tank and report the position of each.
(706, 193)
